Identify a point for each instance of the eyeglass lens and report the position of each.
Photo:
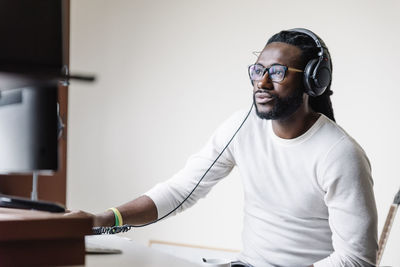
(276, 72)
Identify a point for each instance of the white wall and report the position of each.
(169, 72)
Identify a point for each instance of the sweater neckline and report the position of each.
(297, 140)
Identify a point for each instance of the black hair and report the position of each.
(322, 103)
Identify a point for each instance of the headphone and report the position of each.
(318, 71)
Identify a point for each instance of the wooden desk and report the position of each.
(133, 254)
(35, 238)
(39, 238)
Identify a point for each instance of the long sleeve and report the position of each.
(171, 193)
(345, 177)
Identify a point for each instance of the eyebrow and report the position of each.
(273, 64)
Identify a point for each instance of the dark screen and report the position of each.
(31, 36)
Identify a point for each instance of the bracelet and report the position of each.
(117, 216)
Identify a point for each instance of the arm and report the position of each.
(345, 177)
(139, 211)
(166, 196)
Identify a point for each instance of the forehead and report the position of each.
(280, 53)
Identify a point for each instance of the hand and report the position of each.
(103, 219)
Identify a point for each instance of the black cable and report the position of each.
(111, 230)
(127, 227)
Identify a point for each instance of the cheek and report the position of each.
(290, 85)
(295, 78)
(300, 81)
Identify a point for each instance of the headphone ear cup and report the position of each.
(308, 80)
(322, 77)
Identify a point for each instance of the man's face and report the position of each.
(279, 100)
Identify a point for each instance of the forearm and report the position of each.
(138, 211)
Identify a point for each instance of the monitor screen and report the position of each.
(31, 36)
(28, 129)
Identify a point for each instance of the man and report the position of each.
(307, 183)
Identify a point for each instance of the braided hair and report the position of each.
(322, 103)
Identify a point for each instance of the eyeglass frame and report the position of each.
(266, 69)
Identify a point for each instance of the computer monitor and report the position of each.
(28, 129)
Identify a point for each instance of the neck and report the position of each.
(296, 124)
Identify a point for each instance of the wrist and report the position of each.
(105, 218)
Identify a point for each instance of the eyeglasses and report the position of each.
(276, 72)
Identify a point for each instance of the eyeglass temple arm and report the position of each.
(295, 70)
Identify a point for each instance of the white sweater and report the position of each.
(308, 200)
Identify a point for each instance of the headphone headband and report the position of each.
(315, 37)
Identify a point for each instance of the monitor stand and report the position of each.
(34, 193)
(30, 204)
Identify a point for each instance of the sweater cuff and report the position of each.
(159, 198)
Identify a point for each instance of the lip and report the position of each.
(263, 98)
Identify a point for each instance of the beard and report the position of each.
(283, 107)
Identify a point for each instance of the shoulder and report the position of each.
(341, 144)
(335, 140)
(343, 156)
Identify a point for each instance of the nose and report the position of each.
(265, 82)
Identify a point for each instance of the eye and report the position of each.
(257, 71)
(277, 72)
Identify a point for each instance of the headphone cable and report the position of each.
(127, 227)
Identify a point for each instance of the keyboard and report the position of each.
(26, 203)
